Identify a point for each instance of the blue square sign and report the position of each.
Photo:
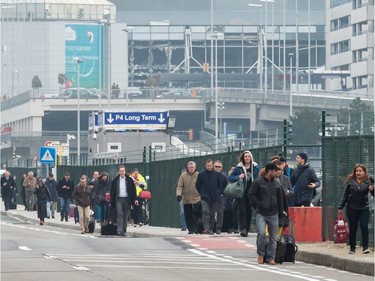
(47, 155)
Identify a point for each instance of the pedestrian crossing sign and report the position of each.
(47, 155)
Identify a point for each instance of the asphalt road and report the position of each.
(33, 252)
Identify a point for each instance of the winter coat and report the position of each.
(301, 177)
(186, 188)
(115, 190)
(65, 192)
(266, 197)
(240, 169)
(42, 194)
(101, 188)
(82, 195)
(52, 188)
(356, 196)
(29, 183)
(208, 185)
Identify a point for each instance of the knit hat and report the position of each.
(303, 155)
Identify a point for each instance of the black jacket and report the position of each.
(266, 198)
(301, 177)
(356, 197)
(65, 192)
(208, 185)
(115, 190)
(42, 194)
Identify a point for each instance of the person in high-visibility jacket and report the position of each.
(140, 184)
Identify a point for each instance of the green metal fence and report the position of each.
(340, 155)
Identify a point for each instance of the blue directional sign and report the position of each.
(47, 155)
(135, 120)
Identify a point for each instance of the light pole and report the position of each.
(260, 48)
(78, 61)
(108, 24)
(216, 36)
(212, 67)
(126, 50)
(221, 106)
(291, 80)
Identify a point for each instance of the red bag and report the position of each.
(107, 197)
(145, 195)
(340, 229)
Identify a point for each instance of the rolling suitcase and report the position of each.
(290, 244)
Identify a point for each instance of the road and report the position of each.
(33, 252)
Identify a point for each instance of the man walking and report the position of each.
(65, 188)
(304, 180)
(218, 166)
(208, 186)
(123, 195)
(7, 188)
(187, 193)
(266, 197)
(51, 185)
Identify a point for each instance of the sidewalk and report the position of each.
(324, 253)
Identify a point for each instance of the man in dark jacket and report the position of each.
(123, 195)
(65, 188)
(7, 189)
(51, 185)
(304, 180)
(208, 186)
(218, 166)
(265, 196)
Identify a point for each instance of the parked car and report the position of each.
(72, 93)
(132, 92)
(175, 95)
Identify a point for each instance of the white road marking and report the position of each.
(24, 248)
(261, 268)
(80, 268)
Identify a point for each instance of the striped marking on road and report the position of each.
(217, 243)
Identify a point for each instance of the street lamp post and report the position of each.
(126, 80)
(78, 61)
(108, 24)
(291, 80)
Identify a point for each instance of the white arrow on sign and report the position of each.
(161, 119)
(110, 119)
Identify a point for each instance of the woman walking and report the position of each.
(355, 197)
(42, 197)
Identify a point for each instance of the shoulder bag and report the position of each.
(234, 189)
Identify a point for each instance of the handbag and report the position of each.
(340, 229)
(145, 195)
(234, 189)
(107, 196)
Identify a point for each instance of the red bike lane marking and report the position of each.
(218, 243)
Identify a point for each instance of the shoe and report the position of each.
(218, 231)
(191, 232)
(210, 232)
(206, 231)
(260, 259)
(351, 252)
(236, 231)
(230, 231)
(82, 232)
(183, 228)
(53, 217)
(66, 219)
(41, 223)
(47, 217)
(61, 219)
(271, 262)
(244, 233)
(366, 251)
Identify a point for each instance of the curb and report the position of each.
(360, 267)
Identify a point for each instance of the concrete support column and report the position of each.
(253, 117)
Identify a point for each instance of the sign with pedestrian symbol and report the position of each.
(47, 155)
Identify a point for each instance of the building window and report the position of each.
(357, 4)
(341, 67)
(340, 47)
(335, 3)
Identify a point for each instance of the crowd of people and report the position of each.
(100, 198)
(269, 191)
(203, 204)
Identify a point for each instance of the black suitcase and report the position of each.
(290, 248)
(280, 250)
(108, 229)
(91, 226)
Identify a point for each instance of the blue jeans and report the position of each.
(273, 223)
(64, 203)
(182, 215)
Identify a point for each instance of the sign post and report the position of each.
(47, 156)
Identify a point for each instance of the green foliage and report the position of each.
(36, 83)
(306, 126)
(358, 115)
